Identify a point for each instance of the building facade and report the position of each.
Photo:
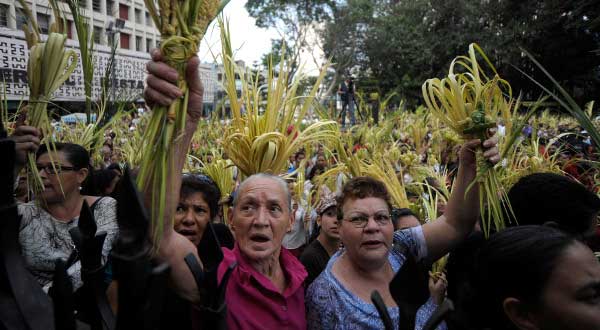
(124, 22)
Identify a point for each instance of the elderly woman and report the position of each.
(46, 221)
(338, 299)
(373, 253)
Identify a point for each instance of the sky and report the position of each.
(249, 42)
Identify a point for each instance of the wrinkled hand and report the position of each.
(490, 146)
(437, 288)
(162, 87)
(27, 139)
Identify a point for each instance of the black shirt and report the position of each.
(314, 258)
(177, 312)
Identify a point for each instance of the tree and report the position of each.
(410, 41)
(401, 43)
(344, 37)
(293, 19)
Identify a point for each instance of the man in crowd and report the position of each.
(265, 272)
(346, 92)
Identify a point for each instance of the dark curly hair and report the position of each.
(362, 187)
(200, 183)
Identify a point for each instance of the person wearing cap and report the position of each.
(317, 254)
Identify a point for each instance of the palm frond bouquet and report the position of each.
(382, 169)
(263, 136)
(469, 101)
(49, 65)
(221, 172)
(182, 25)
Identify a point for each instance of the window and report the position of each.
(96, 5)
(219, 76)
(148, 19)
(148, 45)
(111, 39)
(69, 29)
(43, 21)
(3, 14)
(110, 10)
(124, 40)
(138, 44)
(138, 16)
(21, 19)
(123, 11)
(98, 35)
(83, 3)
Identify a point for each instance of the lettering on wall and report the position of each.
(130, 74)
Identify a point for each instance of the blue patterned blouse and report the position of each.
(331, 306)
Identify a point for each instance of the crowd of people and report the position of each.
(311, 258)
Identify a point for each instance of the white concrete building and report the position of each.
(127, 22)
(137, 34)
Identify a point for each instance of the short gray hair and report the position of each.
(275, 178)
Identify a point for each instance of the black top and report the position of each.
(224, 235)
(459, 267)
(314, 258)
(177, 313)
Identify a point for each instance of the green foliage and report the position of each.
(411, 40)
(401, 43)
(345, 36)
(271, 12)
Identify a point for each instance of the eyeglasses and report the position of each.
(361, 220)
(56, 169)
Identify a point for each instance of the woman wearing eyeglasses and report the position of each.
(366, 263)
(340, 298)
(46, 221)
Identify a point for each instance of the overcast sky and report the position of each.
(249, 42)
